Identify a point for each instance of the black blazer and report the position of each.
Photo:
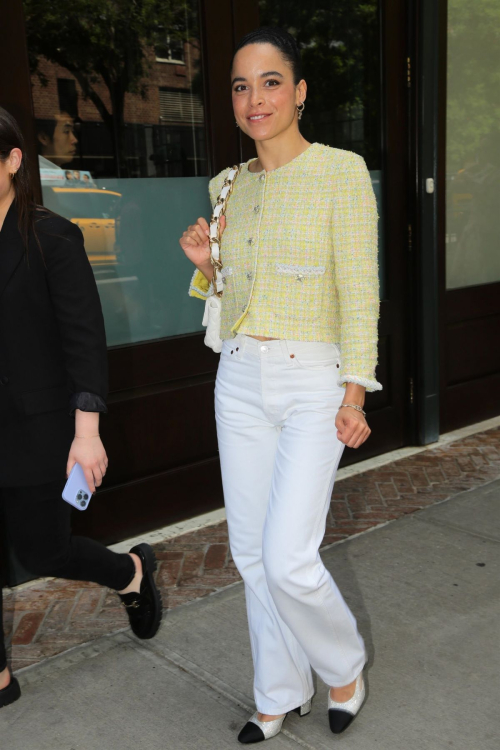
(52, 347)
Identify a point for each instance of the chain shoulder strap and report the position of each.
(214, 233)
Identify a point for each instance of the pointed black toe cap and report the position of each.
(251, 733)
(339, 720)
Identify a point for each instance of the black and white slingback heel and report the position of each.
(341, 715)
(258, 731)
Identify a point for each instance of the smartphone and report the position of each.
(76, 491)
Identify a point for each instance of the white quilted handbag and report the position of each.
(213, 305)
(211, 319)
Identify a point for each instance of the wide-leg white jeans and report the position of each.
(276, 403)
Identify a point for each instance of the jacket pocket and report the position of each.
(297, 291)
(299, 273)
(45, 400)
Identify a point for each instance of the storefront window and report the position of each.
(473, 144)
(120, 123)
(340, 48)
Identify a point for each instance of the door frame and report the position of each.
(469, 317)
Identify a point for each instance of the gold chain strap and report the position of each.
(214, 233)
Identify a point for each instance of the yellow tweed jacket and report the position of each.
(300, 257)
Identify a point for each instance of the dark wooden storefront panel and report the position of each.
(470, 361)
(390, 410)
(136, 507)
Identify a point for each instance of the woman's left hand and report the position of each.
(89, 452)
(352, 428)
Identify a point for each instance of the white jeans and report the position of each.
(276, 403)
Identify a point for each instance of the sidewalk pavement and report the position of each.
(48, 617)
(424, 590)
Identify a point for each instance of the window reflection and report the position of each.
(340, 48)
(118, 107)
(56, 139)
(97, 76)
(472, 145)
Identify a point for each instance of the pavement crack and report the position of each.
(456, 527)
(210, 682)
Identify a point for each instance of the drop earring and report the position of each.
(300, 108)
(236, 124)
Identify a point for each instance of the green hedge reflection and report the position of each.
(340, 48)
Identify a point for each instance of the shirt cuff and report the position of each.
(87, 402)
(200, 286)
(368, 383)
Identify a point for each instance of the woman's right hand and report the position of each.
(194, 242)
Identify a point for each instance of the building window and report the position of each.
(180, 107)
(169, 47)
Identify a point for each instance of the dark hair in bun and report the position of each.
(279, 38)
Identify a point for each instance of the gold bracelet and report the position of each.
(354, 406)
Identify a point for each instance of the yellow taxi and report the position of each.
(94, 211)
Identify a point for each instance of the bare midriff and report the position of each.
(261, 338)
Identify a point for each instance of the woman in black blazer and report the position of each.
(53, 366)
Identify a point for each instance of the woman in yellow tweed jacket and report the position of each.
(299, 323)
(300, 256)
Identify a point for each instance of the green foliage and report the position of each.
(473, 95)
(104, 40)
(341, 59)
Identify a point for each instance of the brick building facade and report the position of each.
(166, 106)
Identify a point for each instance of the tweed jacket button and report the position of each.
(249, 275)
(256, 209)
(250, 240)
(262, 177)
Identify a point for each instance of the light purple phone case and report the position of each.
(76, 491)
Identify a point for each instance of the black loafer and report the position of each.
(11, 693)
(144, 609)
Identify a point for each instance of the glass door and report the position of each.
(354, 60)
(471, 288)
(122, 148)
(121, 141)
(341, 54)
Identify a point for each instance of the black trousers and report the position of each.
(37, 523)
